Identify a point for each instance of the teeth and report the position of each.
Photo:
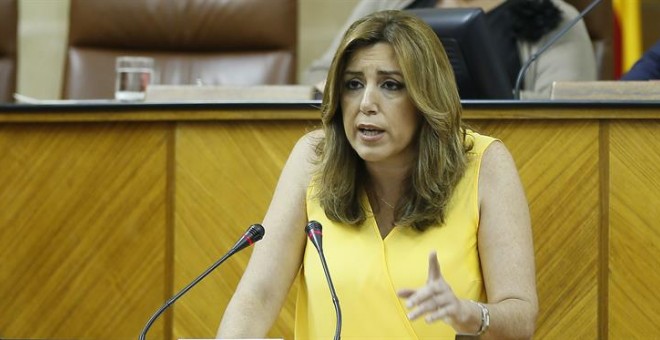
(370, 132)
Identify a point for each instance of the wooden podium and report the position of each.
(107, 210)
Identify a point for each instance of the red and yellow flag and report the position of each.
(627, 34)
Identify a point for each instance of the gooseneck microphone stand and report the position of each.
(315, 234)
(251, 236)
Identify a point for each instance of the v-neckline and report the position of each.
(372, 216)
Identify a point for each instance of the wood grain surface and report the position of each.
(82, 229)
(634, 258)
(103, 219)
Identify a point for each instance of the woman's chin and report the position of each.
(371, 155)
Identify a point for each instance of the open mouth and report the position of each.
(370, 131)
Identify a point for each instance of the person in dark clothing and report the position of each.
(647, 67)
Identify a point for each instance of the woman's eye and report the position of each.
(353, 84)
(392, 85)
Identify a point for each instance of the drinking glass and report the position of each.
(133, 75)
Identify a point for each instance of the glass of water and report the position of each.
(133, 75)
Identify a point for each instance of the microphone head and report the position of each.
(313, 230)
(313, 226)
(255, 232)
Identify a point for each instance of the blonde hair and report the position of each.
(441, 159)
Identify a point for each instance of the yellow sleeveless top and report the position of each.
(367, 270)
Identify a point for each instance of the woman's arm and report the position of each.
(507, 261)
(506, 247)
(275, 260)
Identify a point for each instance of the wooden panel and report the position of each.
(85, 233)
(82, 229)
(634, 235)
(146, 112)
(558, 165)
(232, 111)
(225, 176)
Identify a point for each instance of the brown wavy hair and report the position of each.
(441, 160)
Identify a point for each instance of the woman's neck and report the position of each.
(386, 182)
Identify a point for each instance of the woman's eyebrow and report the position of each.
(390, 73)
(380, 72)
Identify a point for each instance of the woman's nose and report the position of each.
(369, 103)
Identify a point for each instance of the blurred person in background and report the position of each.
(519, 28)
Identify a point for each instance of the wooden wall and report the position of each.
(83, 229)
(107, 214)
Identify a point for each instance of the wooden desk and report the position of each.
(108, 210)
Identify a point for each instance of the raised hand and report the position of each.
(436, 300)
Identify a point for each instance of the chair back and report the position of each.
(236, 42)
(8, 55)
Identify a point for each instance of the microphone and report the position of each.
(254, 233)
(568, 26)
(313, 230)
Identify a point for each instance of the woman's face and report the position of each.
(380, 119)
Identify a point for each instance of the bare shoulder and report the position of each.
(305, 148)
(498, 175)
(497, 159)
(312, 138)
(302, 160)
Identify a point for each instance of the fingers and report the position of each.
(434, 284)
(440, 314)
(421, 295)
(436, 300)
(434, 268)
(434, 307)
